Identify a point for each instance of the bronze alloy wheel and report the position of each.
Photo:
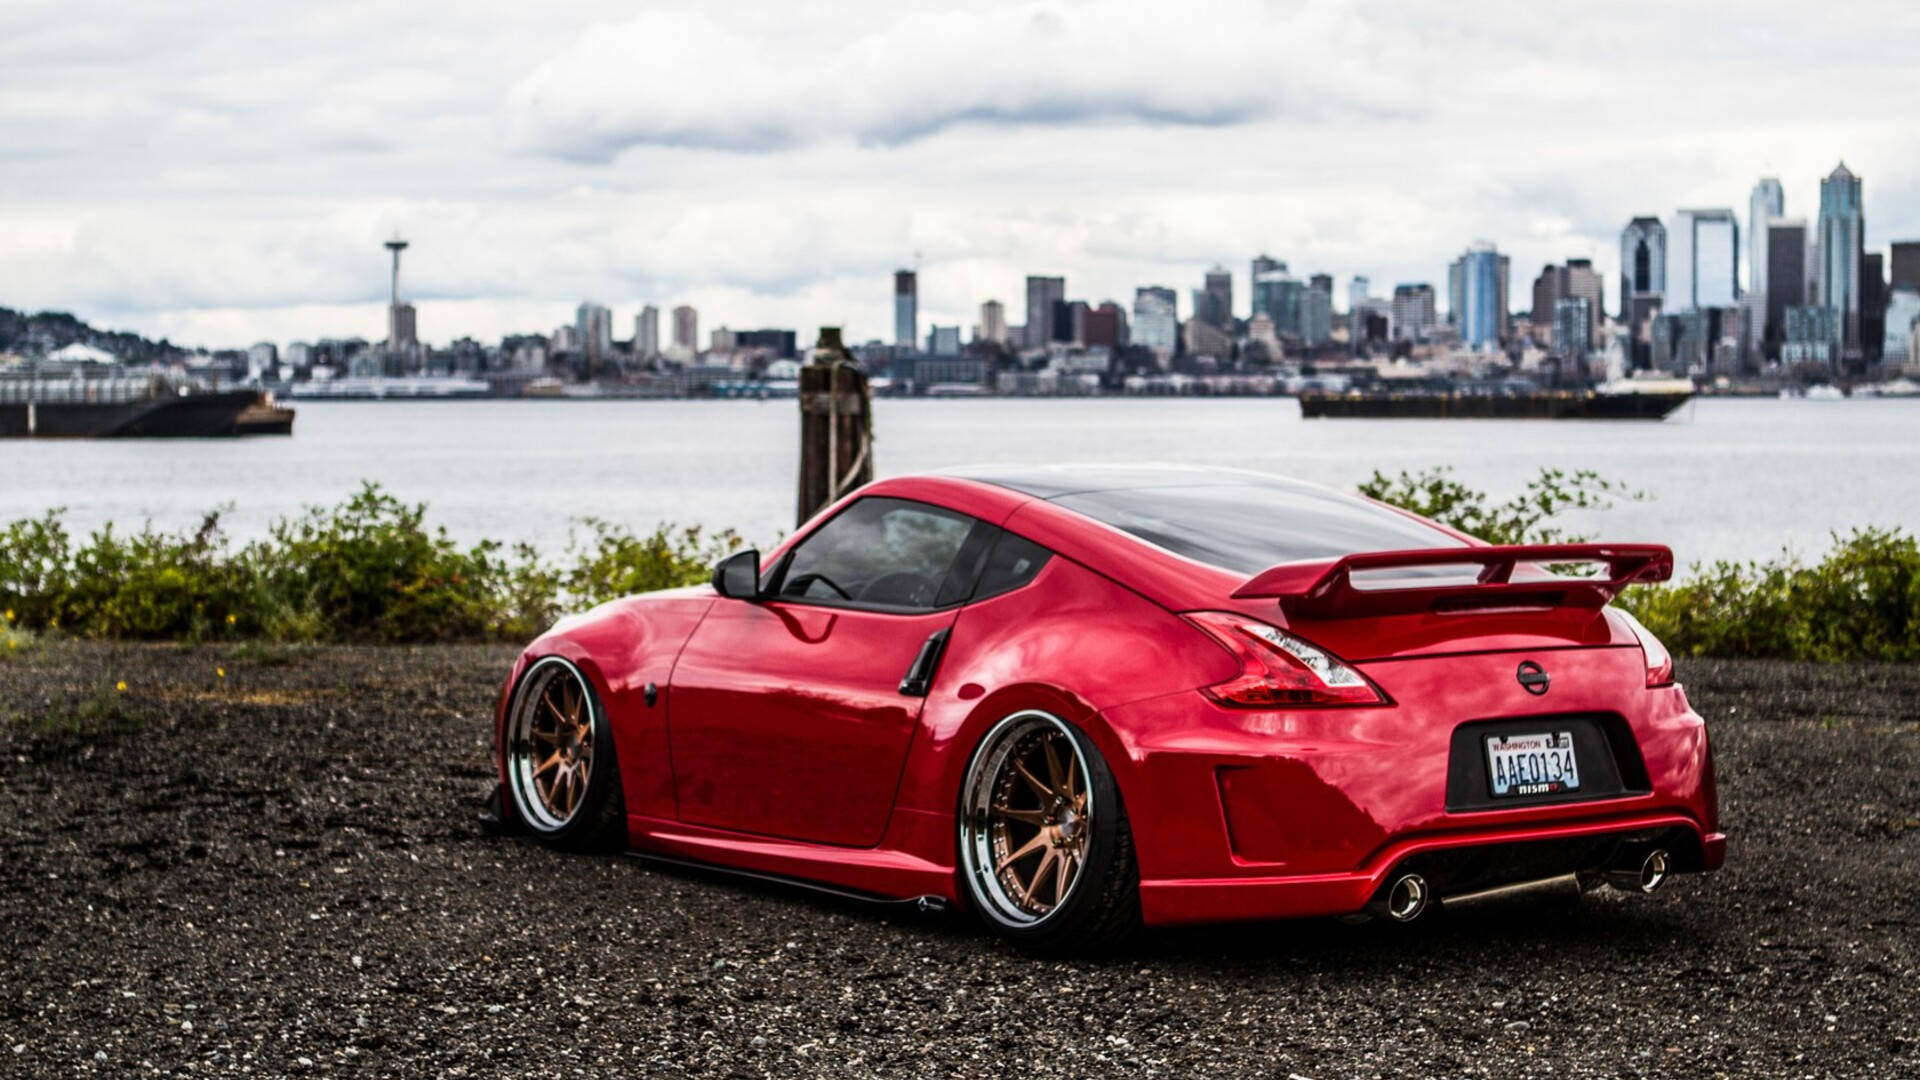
(550, 744)
(1026, 818)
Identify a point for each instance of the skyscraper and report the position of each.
(1905, 268)
(1768, 201)
(1572, 328)
(1413, 312)
(1873, 306)
(686, 329)
(646, 332)
(1213, 304)
(906, 308)
(1357, 294)
(1478, 279)
(1156, 325)
(993, 322)
(1703, 260)
(1042, 294)
(595, 324)
(1786, 280)
(1316, 311)
(1643, 285)
(1841, 235)
(1265, 268)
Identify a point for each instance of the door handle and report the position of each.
(919, 677)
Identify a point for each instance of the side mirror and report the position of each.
(738, 575)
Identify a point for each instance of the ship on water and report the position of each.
(141, 406)
(1621, 399)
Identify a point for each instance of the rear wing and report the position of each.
(1325, 588)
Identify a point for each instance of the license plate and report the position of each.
(1541, 764)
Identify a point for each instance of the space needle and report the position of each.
(400, 329)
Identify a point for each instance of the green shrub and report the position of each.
(1861, 602)
(369, 569)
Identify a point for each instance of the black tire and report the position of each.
(1101, 905)
(592, 818)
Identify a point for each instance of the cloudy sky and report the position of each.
(224, 172)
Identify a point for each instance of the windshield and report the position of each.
(1248, 526)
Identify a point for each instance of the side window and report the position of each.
(1013, 563)
(880, 552)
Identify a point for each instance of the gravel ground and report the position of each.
(256, 860)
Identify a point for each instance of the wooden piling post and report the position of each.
(836, 425)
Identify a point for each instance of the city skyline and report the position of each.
(225, 188)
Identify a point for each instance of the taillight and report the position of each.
(1659, 660)
(1279, 670)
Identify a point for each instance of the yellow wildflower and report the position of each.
(121, 685)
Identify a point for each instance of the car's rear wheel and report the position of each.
(1046, 854)
(561, 772)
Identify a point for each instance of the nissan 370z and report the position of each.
(1078, 700)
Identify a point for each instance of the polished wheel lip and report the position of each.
(549, 743)
(990, 854)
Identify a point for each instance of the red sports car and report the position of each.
(1076, 700)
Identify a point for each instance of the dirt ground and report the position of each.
(265, 860)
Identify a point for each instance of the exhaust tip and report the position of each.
(1654, 870)
(1652, 873)
(1407, 897)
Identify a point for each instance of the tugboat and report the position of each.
(132, 406)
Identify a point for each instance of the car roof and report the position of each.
(1055, 481)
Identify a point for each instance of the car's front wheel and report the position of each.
(561, 773)
(1046, 854)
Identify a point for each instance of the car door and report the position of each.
(787, 716)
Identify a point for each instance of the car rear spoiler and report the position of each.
(1322, 588)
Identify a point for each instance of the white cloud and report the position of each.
(225, 172)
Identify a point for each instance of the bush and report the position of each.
(1861, 602)
(367, 570)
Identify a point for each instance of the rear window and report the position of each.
(1248, 527)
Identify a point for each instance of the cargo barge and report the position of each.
(133, 407)
(1470, 405)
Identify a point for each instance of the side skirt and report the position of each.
(929, 904)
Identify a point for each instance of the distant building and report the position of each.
(646, 332)
(1643, 285)
(1358, 293)
(943, 340)
(1106, 327)
(686, 329)
(1413, 315)
(1873, 306)
(1205, 339)
(1213, 303)
(1576, 280)
(1904, 266)
(262, 357)
(1765, 205)
(1573, 327)
(1902, 318)
(1479, 280)
(1786, 280)
(1840, 239)
(565, 339)
(1700, 342)
(906, 308)
(1281, 297)
(1316, 311)
(402, 330)
(781, 344)
(1264, 263)
(1042, 294)
(1156, 324)
(1703, 260)
(595, 325)
(993, 322)
(1068, 323)
(1812, 336)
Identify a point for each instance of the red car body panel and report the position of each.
(779, 742)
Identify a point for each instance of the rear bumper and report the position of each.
(1565, 848)
(1247, 814)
